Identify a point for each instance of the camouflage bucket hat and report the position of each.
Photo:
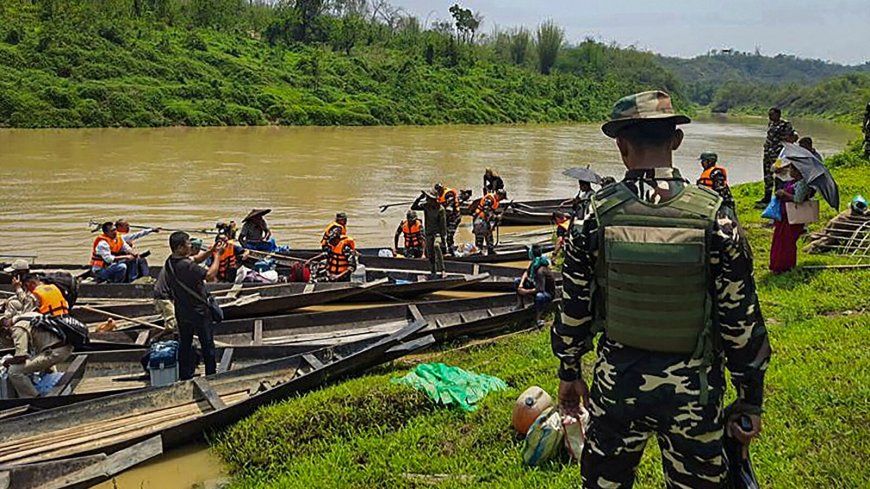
(654, 105)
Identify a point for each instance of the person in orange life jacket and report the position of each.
(487, 211)
(563, 229)
(138, 267)
(412, 229)
(341, 258)
(449, 199)
(340, 223)
(110, 255)
(230, 258)
(49, 299)
(715, 177)
(36, 349)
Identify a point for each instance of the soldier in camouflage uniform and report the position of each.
(640, 389)
(778, 131)
(866, 128)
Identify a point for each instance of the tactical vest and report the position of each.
(653, 281)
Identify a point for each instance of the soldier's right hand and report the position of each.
(572, 394)
(743, 436)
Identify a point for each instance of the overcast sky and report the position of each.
(835, 30)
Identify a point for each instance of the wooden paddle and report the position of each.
(118, 316)
(95, 226)
(387, 206)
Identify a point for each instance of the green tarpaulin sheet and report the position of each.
(451, 385)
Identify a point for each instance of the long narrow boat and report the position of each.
(446, 319)
(182, 411)
(78, 472)
(395, 284)
(98, 374)
(266, 301)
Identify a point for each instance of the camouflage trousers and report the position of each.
(636, 395)
(483, 234)
(433, 252)
(767, 167)
(453, 222)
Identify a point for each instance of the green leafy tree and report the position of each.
(466, 22)
(548, 42)
(520, 42)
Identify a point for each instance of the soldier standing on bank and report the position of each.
(778, 131)
(866, 128)
(663, 269)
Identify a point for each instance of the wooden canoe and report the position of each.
(182, 411)
(99, 374)
(446, 319)
(265, 301)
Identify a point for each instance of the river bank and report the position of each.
(368, 432)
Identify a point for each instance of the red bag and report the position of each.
(299, 272)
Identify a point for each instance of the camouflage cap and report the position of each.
(653, 105)
(709, 156)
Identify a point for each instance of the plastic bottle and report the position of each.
(358, 276)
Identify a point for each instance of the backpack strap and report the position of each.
(171, 271)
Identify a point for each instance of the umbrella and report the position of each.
(814, 172)
(582, 174)
(256, 213)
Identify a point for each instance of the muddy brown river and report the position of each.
(56, 181)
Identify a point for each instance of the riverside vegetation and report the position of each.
(134, 63)
(71, 63)
(368, 432)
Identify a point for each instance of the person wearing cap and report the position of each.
(779, 131)
(412, 230)
(653, 265)
(111, 256)
(435, 226)
(19, 269)
(340, 224)
(37, 349)
(449, 199)
(715, 177)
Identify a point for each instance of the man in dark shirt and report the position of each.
(186, 281)
(435, 225)
(492, 183)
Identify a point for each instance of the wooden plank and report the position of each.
(70, 377)
(312, 360)
(462, 318)
(208, 392)
(490, 313)
(8, 413)
(142, 338)
(475, 269)
(112, 465)
(226, 360)
(258, 332)
(415, 313)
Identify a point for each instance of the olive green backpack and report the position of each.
(653, 285)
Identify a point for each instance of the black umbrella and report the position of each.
(582, 174)
(814, 172)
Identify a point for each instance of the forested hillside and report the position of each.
(70, 63)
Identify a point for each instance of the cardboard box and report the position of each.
(803, 213)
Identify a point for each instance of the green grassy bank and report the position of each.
(369, 433)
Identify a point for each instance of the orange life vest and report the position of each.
(413, 234)
(337, 262)
(227, 261)
(481, 205)
(564, 225)
(449, 199)
(706, 179)
(115, 246)
(51, 300)
(324, 241)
